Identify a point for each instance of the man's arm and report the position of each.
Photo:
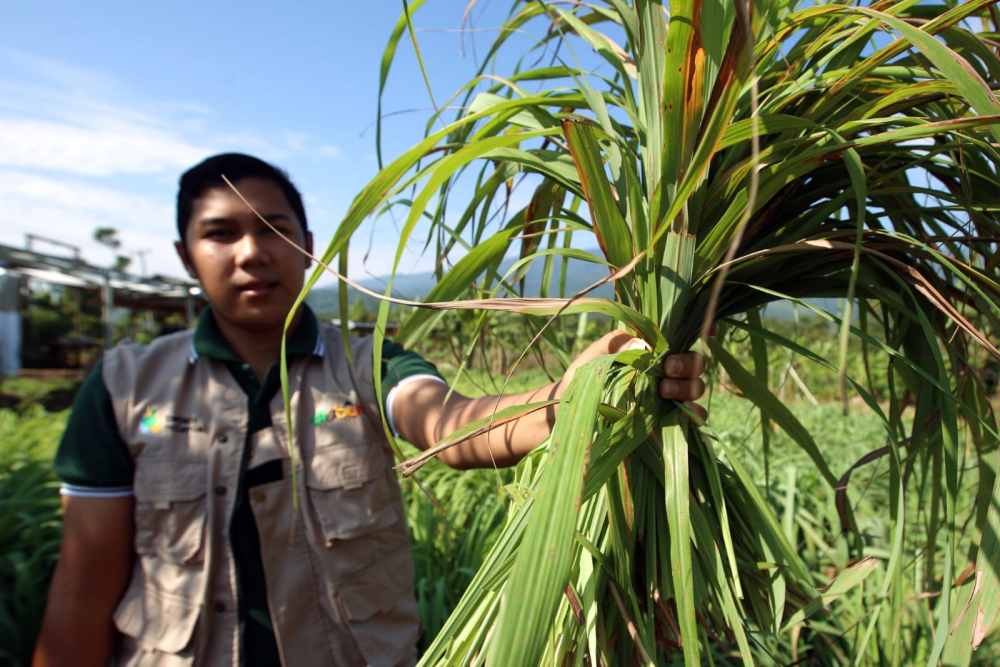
(423, 417)
(95, 563)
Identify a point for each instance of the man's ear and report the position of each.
(182, 253)
(309, 248)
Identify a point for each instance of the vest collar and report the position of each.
(208, 340)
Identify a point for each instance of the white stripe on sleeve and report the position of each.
(95, 491)
(392, 395)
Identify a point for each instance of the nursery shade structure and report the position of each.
(721, 154)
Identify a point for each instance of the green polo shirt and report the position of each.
(93, 460)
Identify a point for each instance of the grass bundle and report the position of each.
(723, 155)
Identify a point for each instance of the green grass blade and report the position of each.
(652, 49)
(984, 610)
(860, 186)
(609, 223)
(845, 580)
(456, 281)
(675, 279)
(682, 86)
(408, 13)
(953, 66)
(776, 410)
(768, 528)
(675, 472)
(388, 56)
(543, 562)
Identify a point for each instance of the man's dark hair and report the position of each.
(236, 166)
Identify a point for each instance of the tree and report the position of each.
(108, 236)
(724, 155)
(121, 263)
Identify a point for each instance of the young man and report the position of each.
(183, 542)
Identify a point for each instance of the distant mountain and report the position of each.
(579, 275)
(416, 285)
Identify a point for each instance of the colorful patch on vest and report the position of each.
(152, 421)
(324, 415)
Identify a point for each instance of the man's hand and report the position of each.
(682, 371)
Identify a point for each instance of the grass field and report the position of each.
(29, 524)
(454, 516)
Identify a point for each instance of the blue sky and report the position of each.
(101, 109)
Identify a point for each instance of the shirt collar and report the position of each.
(209, 342)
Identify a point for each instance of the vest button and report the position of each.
(220, 490)
(222, 438)
(219, 607)
(259, 497)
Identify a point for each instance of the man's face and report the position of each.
(249, 274)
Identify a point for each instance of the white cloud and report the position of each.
(58, 116)
(70, 210)
(296, 141)
(95, 150)
(45, 89)
(80, 150)
(60, 73)
(79, 195)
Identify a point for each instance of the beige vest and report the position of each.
(339, 571)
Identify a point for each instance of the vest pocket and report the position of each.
(156, 625)
(170, 510)
(350, 492)
(381, 611)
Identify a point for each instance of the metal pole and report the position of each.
(107, 296)
(141, 254)
(29, 240)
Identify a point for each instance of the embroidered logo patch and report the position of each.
(324, 415)
(154, 421)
